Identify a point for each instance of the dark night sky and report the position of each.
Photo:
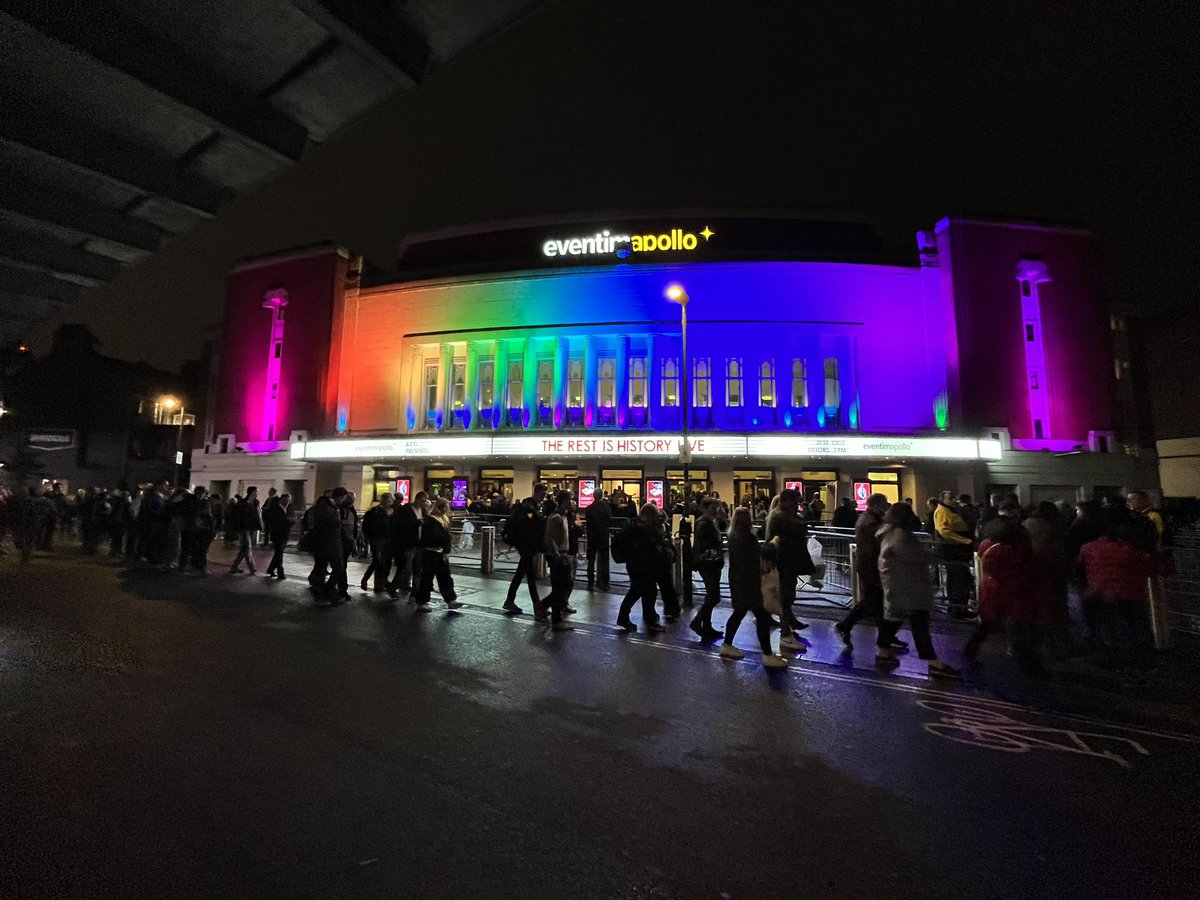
(895, 113)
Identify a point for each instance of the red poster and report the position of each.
(403, 489)
(795, 486)
(654, 493)
(587, 492)
(862, 490)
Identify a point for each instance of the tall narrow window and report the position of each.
(766, 383)
(458, 385)
(429, 393)
(799, 383)
(670, 382)
(487, 383)
(833, 385)
(545, 383)
(733, 382)
(606, 381)
(701, 383)
(575, 383)
(516, 383)
(637, 382)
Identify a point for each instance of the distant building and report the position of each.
(983, 362)
(87, 420)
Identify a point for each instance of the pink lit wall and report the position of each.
(979, 264)
(313, 279)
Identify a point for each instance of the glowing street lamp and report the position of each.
(676, 294)
(170, 403)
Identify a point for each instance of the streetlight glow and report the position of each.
(170, 402)
(676, 294)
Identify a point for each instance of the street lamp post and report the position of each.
(676, 294)
(170, 403)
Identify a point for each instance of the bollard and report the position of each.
(977, 571)
(540, 567)
(677, 567)
(487, 549)
(1156, 600)
(855, 589)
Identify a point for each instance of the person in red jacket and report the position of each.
(1014, 590)
(1115, 569)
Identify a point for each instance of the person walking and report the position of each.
(637, 545)
(525, 530)
(907, 590)
(709, 561)
(278, 519)
(435, 561)
(348, 517)
(955, 540)
(406, 523)
(1116, 567)
(598, 519)
(787, 530)
(745, 590)
(249, 524)
(866, 568)
(561, 562)
(377, 529)
(199, 528)
(328, 549)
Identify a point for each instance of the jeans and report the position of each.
(562, 582)
(597, 565)
(246, 543)
(957, 560)
(435, 565)
(641, 587)
(408, 568)
(787, 596)
(381, 565)
(918, 624)
(712, 594)
(527, 570)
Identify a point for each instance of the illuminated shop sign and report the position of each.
(606, 243)
(724, 445)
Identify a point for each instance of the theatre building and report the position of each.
(555, 352)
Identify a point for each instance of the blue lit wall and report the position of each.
(885, 325)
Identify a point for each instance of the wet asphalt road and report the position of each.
(164, 736)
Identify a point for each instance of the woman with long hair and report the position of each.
(745, 590)
(435, 562)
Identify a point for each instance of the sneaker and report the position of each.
(569, 611)
(424, 607)
(562, 625)
(886, 661)
(728, 651)
(511, 609)
(775, 662)
(541, 615)
(844, 634)
(942, 670)
(898, 645)
(626, 625)
(454, 604)
(789, 642)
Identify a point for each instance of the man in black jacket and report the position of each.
(787, 530)
(710, 559)
(598, 518)
(278, 518)
(377, 529)
(526, 530)
(642, 543)
(406, 525)
(249, 524)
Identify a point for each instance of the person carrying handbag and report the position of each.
(746, 581)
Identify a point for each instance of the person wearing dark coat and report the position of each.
(435, 550)
(710, 560)
(642, 540)
(787, 530)
(866, 568)
(249, 524)
(327, 546)
(745, 590)
(377, 529)
(845, 516)
(598, 519)
(278, 519)
(406, 523)
(527, 529)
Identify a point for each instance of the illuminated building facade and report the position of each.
(983, 362)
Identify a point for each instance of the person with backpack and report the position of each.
(638, 546)
(525, 530)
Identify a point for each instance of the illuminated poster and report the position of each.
(862, 490)
(403, 489)
(654, 492)
(458, 496)
(794, 486)
(587, 492)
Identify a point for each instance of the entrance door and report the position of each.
(752, 485)
(698, 482)
(628, 481)
(559, 480)
(496, 481)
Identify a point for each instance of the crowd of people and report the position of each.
(1030, 557)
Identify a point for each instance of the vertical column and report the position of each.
(500, 383)
(623, 380)
(529, 412)
(416, 374)
(653, 381)
(470, 386)
(276, 301)
(1030, 274)
(589, 381)
(445, 368)
(562, 353)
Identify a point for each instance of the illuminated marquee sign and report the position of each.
(667, 446)
(605, 243)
